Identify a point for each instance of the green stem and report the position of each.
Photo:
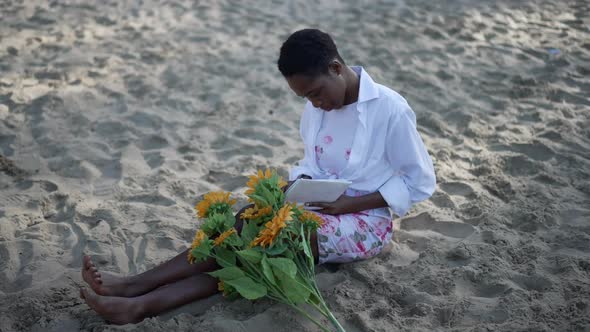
(303, 312)
(335, 322)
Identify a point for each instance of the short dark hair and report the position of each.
(307, 52)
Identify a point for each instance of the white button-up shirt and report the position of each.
(387, 153)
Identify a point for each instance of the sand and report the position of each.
(115, 116)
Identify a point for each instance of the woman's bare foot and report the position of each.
(103, 283)
(117, 310)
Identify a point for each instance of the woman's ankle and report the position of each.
(132, 286)
(139, 309)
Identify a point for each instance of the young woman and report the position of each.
(353, 129)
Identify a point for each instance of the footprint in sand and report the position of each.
(533, 282)
(152, 199)
(457, 189)
(153, 159)
(520, 166)
(246, 150)
(45, 185)
(146, 120)
(153, 142)
(425, 222)
(226, 181)
(6, 144)
(259, 136)
(12, 200)
(442, 200)
(15, 276)
(229, 147)
(535, 150)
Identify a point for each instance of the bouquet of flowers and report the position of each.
(271, 256)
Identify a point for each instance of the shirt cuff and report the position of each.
(396, 194)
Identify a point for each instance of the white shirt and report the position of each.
(387, 153)
(334, 139)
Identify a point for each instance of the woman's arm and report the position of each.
(413, 179)
(348, 204)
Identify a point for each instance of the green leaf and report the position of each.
(234, 240)
(202, 252)
(284, 265)
(267, 194)
(294, 291)
(248, 288)
(230, 220)
(289, 254)
(214, 224)
(267, 270)
(228, 273)
(249, 231)
(276, 249)
(226, 258)
(250, 255)
(306, 245)
(261, 201)
(232, 296)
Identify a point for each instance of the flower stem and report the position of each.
(304, 313)
(335, 321)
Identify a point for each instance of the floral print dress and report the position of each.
(355, 236)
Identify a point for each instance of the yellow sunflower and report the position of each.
(210, 199)
(255, 179)
(272, 228)
(253, 213)
(199, 237)
(310, 216)
(219, 240)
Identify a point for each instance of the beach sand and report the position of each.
(116, 116)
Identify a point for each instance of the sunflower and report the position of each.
(212, 199)
(255, 179)
(272, 228)
(255, 212)
(219, 240)
(312, 217)
(199, 237)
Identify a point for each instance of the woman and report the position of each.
(352, 129)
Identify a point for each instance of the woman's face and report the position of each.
(325, 91)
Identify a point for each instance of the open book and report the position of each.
(305, 190)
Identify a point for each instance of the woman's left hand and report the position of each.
(343, 205)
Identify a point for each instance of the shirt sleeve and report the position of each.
(303, 167)
(413, 179)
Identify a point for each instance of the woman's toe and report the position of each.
(85, 262)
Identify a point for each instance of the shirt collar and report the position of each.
(367, 87)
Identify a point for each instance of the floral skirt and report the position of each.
(350, 237)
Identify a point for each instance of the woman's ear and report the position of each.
(335, 67)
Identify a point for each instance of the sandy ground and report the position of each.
(116, 115)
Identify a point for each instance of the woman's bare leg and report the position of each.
(123, 310)
(104, 283)
(165, 287)
(173, 270)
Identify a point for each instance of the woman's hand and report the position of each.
(343, 205)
